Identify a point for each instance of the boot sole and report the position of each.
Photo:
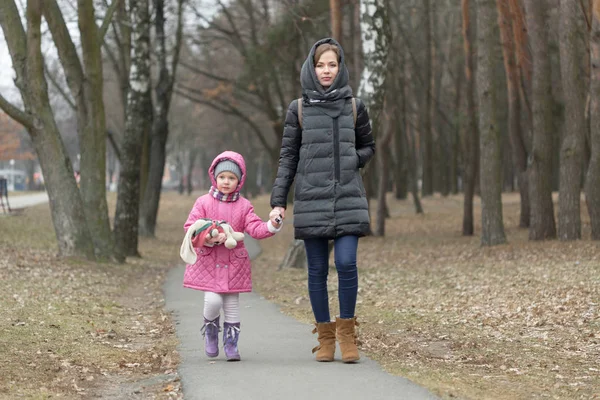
(235, 359)
(212, 355)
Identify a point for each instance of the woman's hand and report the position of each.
(280, 211)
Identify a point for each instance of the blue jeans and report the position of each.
(317, 255)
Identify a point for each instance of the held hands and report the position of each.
(276, 216)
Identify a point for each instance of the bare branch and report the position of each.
(227, 108)
(178, 41)
(59, 88)
(107, 19)
(15, 113)
(67, 51)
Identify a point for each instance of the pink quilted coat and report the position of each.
(218, 269)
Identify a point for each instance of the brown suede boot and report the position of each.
(326, 348)
(347, 337)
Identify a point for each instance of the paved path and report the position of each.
(27, 200)
(276, 357)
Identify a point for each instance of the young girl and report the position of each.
(222, 273)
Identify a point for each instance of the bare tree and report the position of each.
(517, 142)
(336, 20)
(492, 226)
(572, 50)
(74, 227)
(471, 134)
(427, 134)
(139, 106)
(542, 224)
(592, 183)
(85, 80)
(160, 127)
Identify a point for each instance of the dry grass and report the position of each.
(517, 321)
(71, 328)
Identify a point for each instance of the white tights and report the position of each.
(230, 302)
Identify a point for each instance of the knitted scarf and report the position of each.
(214, 192)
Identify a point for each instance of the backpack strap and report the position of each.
(354, 112)
(300, 112)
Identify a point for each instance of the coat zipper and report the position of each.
(336, 149)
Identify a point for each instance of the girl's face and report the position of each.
(327, 68)
(227, 182)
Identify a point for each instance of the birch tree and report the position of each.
(492, 226)
(139, 106)
(160, 126)
(376, 36)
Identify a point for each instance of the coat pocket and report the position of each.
(204, 251)
(239, 257)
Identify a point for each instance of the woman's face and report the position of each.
(327, 68)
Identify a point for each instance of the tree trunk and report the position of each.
(572, 49)
(492, 226)
(412, 170)
(592, 183)
(542, 224)
(375, 31)
(471, 134)
(93, 134)
(139, 106)
(336, 20)
(455, 136)
(160, 127)
(295, 257)
(399, 126)
(384, 168)
(66, 207)
(517, 143)
(427, 135)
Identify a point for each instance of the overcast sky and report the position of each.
(7, 73)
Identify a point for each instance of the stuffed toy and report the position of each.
(233, 237)
(208, 228)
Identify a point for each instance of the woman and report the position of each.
(323, 153)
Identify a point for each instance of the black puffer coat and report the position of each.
(324, 158)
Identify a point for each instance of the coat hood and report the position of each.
(232, 156)
(332, 100)
(308, 77)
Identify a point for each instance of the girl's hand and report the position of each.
(276, 218)
(219, 239)
(279, 212)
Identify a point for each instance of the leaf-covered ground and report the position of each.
(517, 321)
(75, 329)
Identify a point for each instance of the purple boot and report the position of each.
(231, 334)
(210, 331)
